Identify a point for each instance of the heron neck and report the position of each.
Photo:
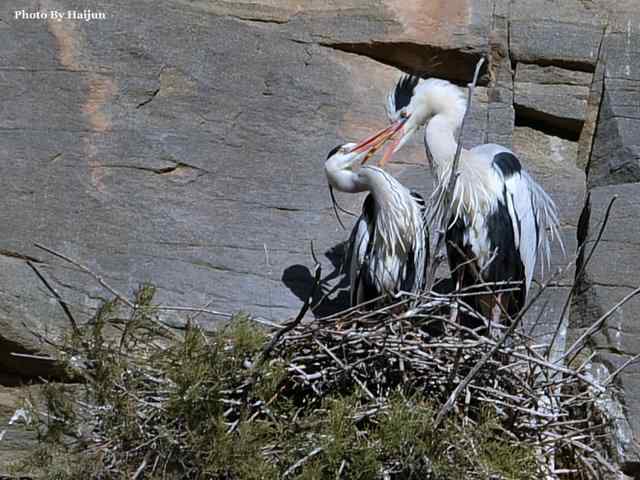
(379, 183)
(441, 141)
(344, 180)
(384, 187)
(365, 179)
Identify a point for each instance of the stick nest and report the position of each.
(360, 395)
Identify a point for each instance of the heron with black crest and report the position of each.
(389, 244)
(501, 219)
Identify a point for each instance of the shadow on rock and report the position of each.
(333, 295)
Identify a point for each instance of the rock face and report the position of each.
(609, 278)
(552, 97)
(609, 152)
(182, 143)
(566, 33)
(615, 155)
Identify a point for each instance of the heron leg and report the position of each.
(496, 310)
(453, 316)
(455, 311)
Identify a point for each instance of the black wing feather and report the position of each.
(363, 282)
(507, 264)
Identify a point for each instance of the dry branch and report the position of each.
(445, 200)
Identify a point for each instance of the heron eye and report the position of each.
(403, 114)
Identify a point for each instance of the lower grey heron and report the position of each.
(389, 244)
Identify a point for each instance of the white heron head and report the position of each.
(410, 105)
(344, 157)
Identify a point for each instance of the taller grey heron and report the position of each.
(389, 244)
(501, 218)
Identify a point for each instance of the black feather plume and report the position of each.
(333, 151)
(404, 91)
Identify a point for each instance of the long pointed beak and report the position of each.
(390, 150)
(378, 139)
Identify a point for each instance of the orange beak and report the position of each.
(378, 139)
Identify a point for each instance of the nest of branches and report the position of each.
(538, 405)
(401, 392)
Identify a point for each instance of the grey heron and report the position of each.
(389, 244)
(501, 218)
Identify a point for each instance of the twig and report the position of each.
(301, 462)
(447, 198)
(102, 282)
(140, 469)
(33, 357)
(346, 369)
(612, 377)
(86, 270)
(598, 324)
(581, 266)
(55, 293)
(171, 308)
(336, 207)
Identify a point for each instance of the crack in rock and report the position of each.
(419, 59)
(273, 21)
(179, 166)
(20, 256)
(547, 123)
(154, 94)
(574, 65)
